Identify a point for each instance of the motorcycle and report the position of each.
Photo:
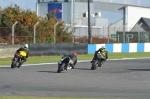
(97, 62)
(17, 60)
(64, 63)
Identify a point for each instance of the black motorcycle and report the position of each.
(64, 63)
(97, 62)
(17, 59)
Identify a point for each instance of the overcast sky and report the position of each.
(31, 4)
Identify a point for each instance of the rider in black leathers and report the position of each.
(73, 57)
(103, 52)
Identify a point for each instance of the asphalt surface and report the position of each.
(119, 79)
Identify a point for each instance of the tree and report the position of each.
(26, 20)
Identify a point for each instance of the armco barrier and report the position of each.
(45, 49)
(57, 49)
(121, 47)
(8, 51)
(80, 48)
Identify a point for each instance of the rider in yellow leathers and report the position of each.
(103, 51)
(25, 49)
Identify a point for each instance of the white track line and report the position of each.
(78, 61)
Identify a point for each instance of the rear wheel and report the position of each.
(19, 64)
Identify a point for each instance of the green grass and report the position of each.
(47, 59)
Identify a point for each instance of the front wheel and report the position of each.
(13, 65)
(61, 67)
(94, 65)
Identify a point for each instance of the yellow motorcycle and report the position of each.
(17, 60)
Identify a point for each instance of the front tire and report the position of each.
(13, 65)
(61, 67)
(94, 65)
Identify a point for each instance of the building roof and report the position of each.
(118, 23)
(146, 20)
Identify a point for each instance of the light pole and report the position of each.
(72, 22)
(89, 28)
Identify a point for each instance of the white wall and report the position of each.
(133, 14)
(42, 9)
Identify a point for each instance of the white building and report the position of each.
(75, 11)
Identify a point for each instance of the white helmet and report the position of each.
(103, 47)
(25, 45)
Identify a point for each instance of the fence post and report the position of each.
(13, 31)
(34, 40)
(108, 34)
(55, 31)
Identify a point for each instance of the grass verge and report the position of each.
(47, 59)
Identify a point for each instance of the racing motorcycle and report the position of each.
(17, 59)
(64, 63)
(97, 62)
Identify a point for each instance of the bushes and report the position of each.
(24, 29)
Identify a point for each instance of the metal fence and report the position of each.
(99, 35)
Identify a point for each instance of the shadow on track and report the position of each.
(5, 68)
(139, 69)
(48, 71)
(83, 68)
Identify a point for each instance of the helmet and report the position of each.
(25, 46)
(74, 53)
(103, 47)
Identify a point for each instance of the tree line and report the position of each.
(24, 29)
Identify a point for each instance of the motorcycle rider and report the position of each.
(103, 51)
(25, 49)
(73, 58)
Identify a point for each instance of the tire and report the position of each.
(94, 65)
(13, 65)
(19, 65)
(61, 67)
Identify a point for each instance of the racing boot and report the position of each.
(72, 66)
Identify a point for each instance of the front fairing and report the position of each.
(64, 60)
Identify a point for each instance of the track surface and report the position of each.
(123, 79)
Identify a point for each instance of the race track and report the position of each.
(123, 79)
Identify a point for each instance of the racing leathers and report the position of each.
(103, 52)
(74, 60)
(24, 58)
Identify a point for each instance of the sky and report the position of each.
(24, 4)
(31, 4)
